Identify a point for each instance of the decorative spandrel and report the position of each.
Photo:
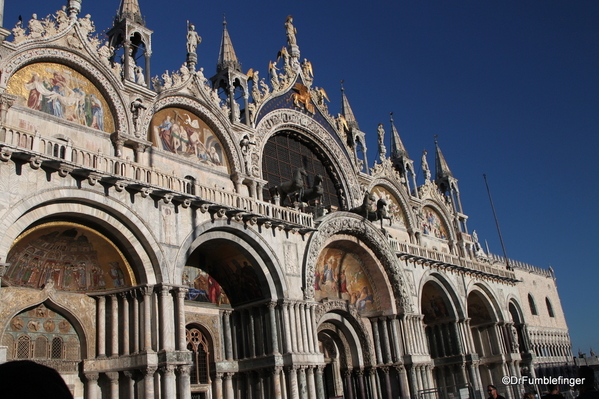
(340, 274)
(432, 224)
(69, 256)
(58, 90)
(181, 132)
(202, 287)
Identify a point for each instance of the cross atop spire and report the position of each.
(226, 56)
(129, 9)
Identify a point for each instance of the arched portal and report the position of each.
(489, 336)
(441, 319)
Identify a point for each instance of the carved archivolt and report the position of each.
(287, 119)
(351, 224)
(204, 113)
(391, 185)
(82, 65)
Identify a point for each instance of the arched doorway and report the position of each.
(445, 344)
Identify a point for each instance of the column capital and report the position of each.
(384, 369)
(272, 305)
(168, 369)
(228, 376)
(320, 369)
(91, 377)
(184, 369)
(371, 371)
(399, 367)
(146, 290)
(276, 370)
(180, 292)
(150, 370)
(359, 371)
(113, 376)
(128, 373)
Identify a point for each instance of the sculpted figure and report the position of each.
(139, 76)
(86, 24)
(36, 29)
(291, 31)
(193, 39)
(62, 19)
(424, 165)
(18, 33)
(136, 109)
(105, 53)
(168, 82)
(184, 71)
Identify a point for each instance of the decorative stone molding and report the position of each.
(288, 119)
(348, 223)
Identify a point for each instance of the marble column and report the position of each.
(388, 390)
(273, 327)
(309, 326)
(168, 381)
(101, 327)
(397, 350)
(167, 333)
(129, 384)
(114, 326)
(361, 389)
(113, 378)
(180, 293)
(386, 344)
(252, 332)
(314, 328)
(374, 393)
(136, 321)
(149, 382)
(229, 393)
(147, 293)
(298, 327)
(303, 388)
(287, 329)
(402, 377)
(377, 340)
(293, 385)
(183, 382)
(311, 383)
(91, 385)
(349, 385)
(227, 331)
(293, 324)
(276, 382)
(319, 382)
(125, 327)
(304, 323)
(218, 386)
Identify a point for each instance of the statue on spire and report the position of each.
(382, 148)
(193, 39)
(291, 31)
(425, 168)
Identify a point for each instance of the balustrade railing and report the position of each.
(63, 151)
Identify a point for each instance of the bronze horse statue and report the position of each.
(365, 211)
(315, 192)
(295, 185)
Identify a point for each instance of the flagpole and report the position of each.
(507, 261)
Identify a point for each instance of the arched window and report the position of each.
(549, 308)
(198, 345)
(23, 349)
(56, 348)
(41, 347)
(533, 307)
(190, 185)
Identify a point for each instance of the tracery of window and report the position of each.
(284, 153)
(198, 345)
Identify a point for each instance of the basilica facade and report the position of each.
(186, 236)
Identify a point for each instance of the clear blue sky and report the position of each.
(511, 88)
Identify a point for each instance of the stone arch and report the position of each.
(79, 311)
(445, 218)
(401, 197)
(247, 242)
(124, 227)
(356, 226)
(286, 119)
(105, 82)
(487, 294)
(447, 288)
(230, 144)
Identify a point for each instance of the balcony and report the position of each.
(62, 157)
